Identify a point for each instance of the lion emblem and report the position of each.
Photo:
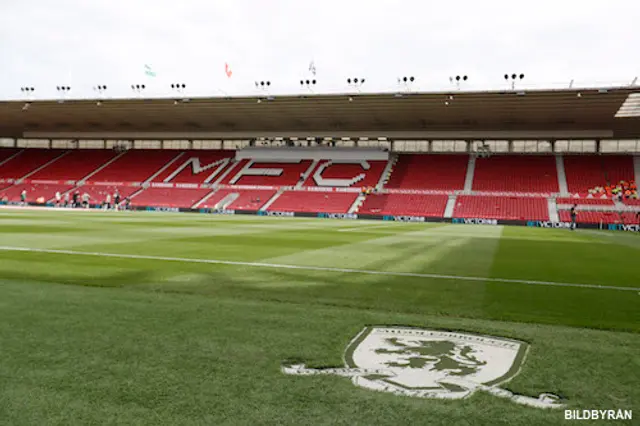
(443, 355)
(431, 363)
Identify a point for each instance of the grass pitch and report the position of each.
(154, 318)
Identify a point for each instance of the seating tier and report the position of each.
(511, 173)
(405, 204)
(422, 171)
(325, 202)
(509, 208)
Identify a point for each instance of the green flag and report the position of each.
(148, 71)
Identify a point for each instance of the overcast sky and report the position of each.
(82, 43)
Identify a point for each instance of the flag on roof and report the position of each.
(227, 70)
(149, 72)
(312, 68)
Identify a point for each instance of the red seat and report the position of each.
(98, 193)
(248, 199)
(34, 191)
(27, 161)
(630, 218)
(324, 202)
(200, 167)
(350, 172)
(75, 165)
(585, 172)
(509, 208)
(136, 165)
(290, 174)
(169, 197)
(424, 171)
(511, 173)
(585, 216)
(405, 204)
(6, 153)
(585, 201)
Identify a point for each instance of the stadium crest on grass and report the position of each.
(431, 364)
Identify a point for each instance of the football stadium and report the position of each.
(453, 257)
(225, 261)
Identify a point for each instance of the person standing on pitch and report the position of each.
(23, 197)
(116, 200)
(58, 198)
(107, 202)
(573, 217)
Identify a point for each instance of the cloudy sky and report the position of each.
(82, 43)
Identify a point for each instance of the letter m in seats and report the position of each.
(197, 168)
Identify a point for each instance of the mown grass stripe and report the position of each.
(319, 268)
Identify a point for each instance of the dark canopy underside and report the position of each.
(556, 110)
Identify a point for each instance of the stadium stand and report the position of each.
(629, 218)
(301, 201)
(75, 165)
(510, 173)
(266, 173)
(195, 167)
(350, 172)
(35, 191)
(587, 216)
(422, 182)
(98, 193)
(169, 197)
(135, 166)
(618, 168)
(6, 153)
(423, 171)
(585, 172)
(494, 207)
(585, 201)
(28, 161)
(239, 199)
(405, 204)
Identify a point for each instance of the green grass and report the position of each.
(107, 340)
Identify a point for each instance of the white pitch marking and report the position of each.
(318, 268)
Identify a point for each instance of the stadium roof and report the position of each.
(561, 111)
